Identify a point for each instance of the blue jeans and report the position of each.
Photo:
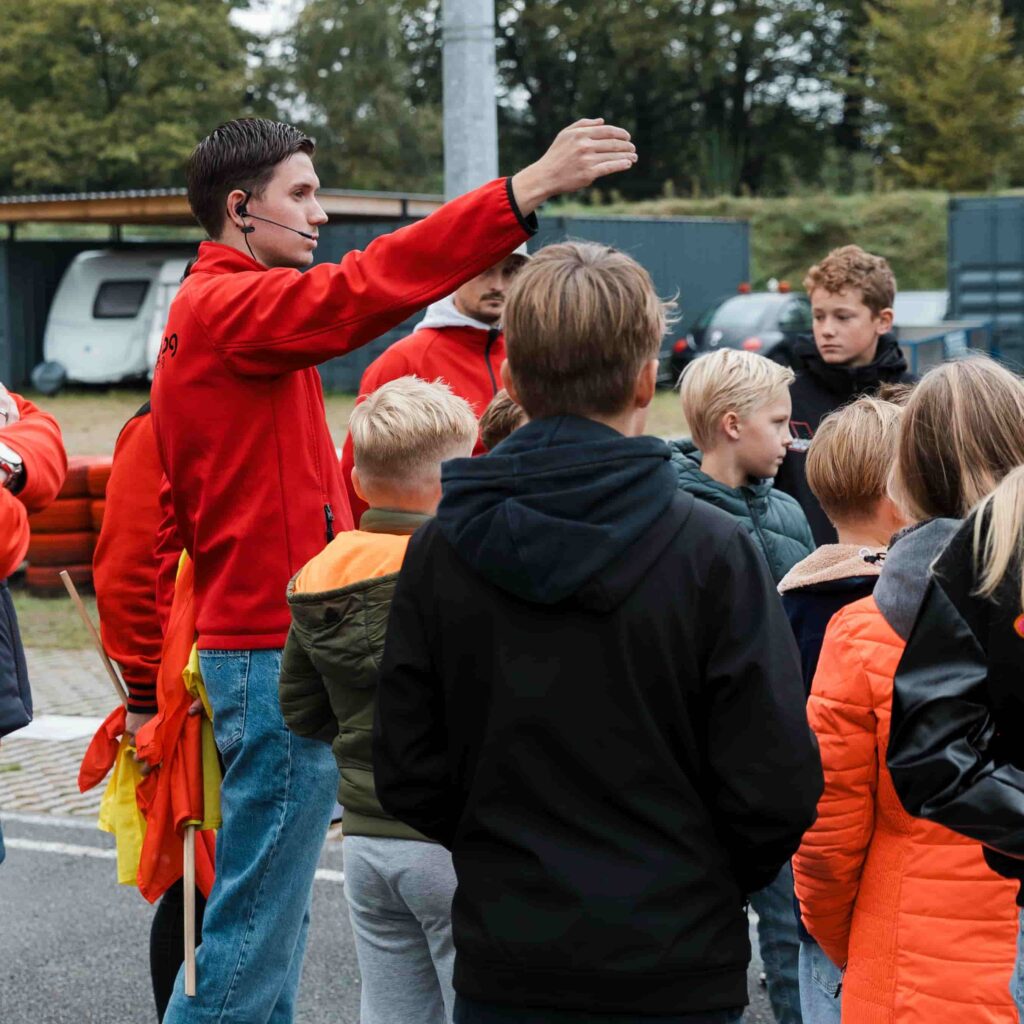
(276, 801)
(820, 986)
(1017, 981)
(780, 945)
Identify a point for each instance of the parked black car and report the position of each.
(755, 321)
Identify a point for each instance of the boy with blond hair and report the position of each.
(736, 404)
(589, 691)
(398, 883)
(852, 352)
(737, 407)
(848, 465)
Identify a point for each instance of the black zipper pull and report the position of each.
(329, 517)
(492, 337)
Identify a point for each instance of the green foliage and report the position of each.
(790, 234)
(949, 91)
(103, 94)
(365, 76)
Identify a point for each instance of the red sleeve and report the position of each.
(36, 437)
(124, 564)
(14, 533)
(278, 320)
(167, 552)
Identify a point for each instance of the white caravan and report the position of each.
(107, 317)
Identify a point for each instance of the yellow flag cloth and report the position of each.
(120, 814)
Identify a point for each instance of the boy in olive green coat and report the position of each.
(398, 885)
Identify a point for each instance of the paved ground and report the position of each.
(73, 944)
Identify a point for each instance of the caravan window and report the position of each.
(119, 300)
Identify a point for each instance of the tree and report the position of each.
(99, 94)
(946, 91)
(364, 77)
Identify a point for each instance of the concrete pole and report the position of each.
(470, 108)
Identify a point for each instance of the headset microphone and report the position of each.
(242, 209)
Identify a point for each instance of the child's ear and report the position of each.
(646, 384)
(885, 321)
(356, 485)
(731, 426)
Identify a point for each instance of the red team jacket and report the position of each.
(468, 359)
(124, 565)
(36, 437)
(254, 484)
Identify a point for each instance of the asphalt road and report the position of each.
(74, 946)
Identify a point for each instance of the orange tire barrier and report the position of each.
(96, 510)
(99, 474)
(61, 549)
(43, 581)
(65, 515)
(76, 484)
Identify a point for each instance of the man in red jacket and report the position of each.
(254, 487)
(459, 340)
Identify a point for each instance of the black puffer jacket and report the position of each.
(591, 695)
(821, 388)
(956, 750)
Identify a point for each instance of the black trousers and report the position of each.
(167, 942)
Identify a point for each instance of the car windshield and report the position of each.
(742, 312)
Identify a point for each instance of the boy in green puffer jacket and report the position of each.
(738, 409)
(737, 406)
(398, 884)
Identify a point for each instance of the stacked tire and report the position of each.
(64, 534)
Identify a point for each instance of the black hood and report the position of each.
(554, 504)
(889, 367)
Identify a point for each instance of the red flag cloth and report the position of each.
(101, 752)
(172, 795)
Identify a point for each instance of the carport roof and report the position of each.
(170, 206)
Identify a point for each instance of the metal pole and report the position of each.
(470, 111)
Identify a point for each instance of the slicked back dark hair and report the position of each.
(238, 154)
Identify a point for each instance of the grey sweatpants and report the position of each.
(399, 894)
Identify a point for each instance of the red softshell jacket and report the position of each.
(36, 437)
(253, 478)
(124, 565)
(468, 360)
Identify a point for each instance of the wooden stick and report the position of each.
(189, 882)
(83, 614)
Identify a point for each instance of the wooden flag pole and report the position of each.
(83, 614)
(189, 882)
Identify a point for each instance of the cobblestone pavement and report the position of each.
(41, 775)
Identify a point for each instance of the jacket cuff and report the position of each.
(528, 224)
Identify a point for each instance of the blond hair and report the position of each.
(729, 380)
(849, 459)
(851, 267)
(999, 534)
(581, 320)
(405, 429)
(500, 418)
(962, 432)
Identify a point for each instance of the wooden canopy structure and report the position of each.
(170, 207)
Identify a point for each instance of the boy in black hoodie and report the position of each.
(852, 353)
(589, 691)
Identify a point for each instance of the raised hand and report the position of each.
(585, 151)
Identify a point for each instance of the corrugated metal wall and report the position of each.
(696, 260)
(986, 268)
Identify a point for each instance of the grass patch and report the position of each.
(51, 623)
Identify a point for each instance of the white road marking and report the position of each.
(75, 850)
(87, 824)
(58, 727)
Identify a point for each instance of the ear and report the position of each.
(357, 485)
(730, 424)
(646, 384)
(884, 324)
(508, 383)
(236, 198)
